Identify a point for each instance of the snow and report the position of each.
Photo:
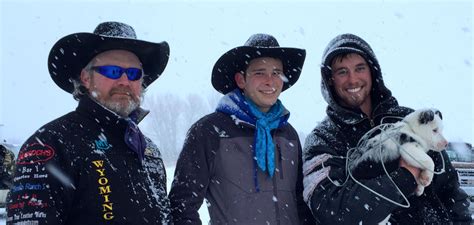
(406, 43)
(426, 59)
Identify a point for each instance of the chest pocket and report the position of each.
(287, 161)
(235, 166)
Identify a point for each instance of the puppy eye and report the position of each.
(435, 130)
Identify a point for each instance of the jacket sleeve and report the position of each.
(336, 199)
(42, 189)
(192, 175)
(447, 187)
(304, 212)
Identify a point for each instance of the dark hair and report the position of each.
(246, 65)
(342, 56)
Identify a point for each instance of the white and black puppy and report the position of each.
(410, 138)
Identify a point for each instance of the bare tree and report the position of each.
(171, 117)
(162, 126)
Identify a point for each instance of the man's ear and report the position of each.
(331, 81)
(85, 78)
(240, 80)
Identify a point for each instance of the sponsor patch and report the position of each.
(35, 153)
(151, 149)
(101, 143)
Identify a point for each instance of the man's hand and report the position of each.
(413, 170)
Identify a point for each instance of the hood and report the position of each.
(349, 43)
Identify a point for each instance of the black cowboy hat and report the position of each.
(73, 52)
(258, 45)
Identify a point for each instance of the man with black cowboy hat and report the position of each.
(93, 165)
(245, 158)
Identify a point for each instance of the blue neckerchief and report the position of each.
(234, 103)
(134, 137)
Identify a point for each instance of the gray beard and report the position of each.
(116, 107)
(121, 110)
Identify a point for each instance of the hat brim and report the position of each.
(72, 53)
(237, 59)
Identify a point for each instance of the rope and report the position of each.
(387, 131)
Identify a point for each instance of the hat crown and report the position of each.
(115, 29)
(70, 54)
(262, 41)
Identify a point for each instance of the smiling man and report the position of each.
(358, 100)
(352, 82)
(93, 165)
(245, 158)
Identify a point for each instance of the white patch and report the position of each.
(312, 180)
(222, 133)
(60, 175)
(385, 221)
(309, 165)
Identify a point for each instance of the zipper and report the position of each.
(278, 154)
(280, 166)
(274, 179)
(275, 203)
(372, 123)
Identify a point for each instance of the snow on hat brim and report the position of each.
(237, 60)
(73, 52)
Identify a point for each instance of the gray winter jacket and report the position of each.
(217, 163)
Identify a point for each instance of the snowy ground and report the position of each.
(3, 214)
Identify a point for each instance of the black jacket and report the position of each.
(77, 169)
(327, 146)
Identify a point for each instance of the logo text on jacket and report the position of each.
(104, 190)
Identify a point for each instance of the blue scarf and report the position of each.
(234, 103)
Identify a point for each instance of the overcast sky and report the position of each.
(424, 48)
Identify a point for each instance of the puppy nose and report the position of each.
(443, 144)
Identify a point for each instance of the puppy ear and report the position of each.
(437, 112)
(426, 116)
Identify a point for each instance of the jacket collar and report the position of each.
(388, 107)
(103, 116)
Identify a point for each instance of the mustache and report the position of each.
(123, 90)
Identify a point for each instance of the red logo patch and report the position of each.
(35, 153)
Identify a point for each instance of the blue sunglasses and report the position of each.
(115, 72)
